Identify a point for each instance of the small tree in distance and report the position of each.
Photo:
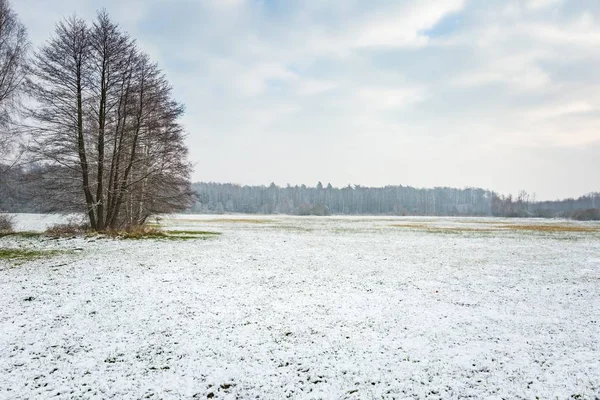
(106, 126)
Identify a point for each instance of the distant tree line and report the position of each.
(389, 200)
(24, 188)
(16, 191)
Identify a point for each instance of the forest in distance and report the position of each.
(217, 198)
(22, 192)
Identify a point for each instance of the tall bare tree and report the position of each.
(13, 69)
(107, 123)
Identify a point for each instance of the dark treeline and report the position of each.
(389, 200)
(21, 191)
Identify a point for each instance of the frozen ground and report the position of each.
(280, 307)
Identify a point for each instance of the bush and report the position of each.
(74, 228)
(591, 214)
(139, 232)
(319, 210)
(6, 223)
(69, 229)
(544, 213)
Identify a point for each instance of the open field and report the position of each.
(304, 307)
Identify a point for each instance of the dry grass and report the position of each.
(412, 226)
(483, 222)
(551, 228)
(23, 234)
(145, 232)
(193, 233)
(241, 220)
(68, 229)
(139, 232)
(221, 221)
(293, 228)
(502, 227)
(441, 229)
(25, 254)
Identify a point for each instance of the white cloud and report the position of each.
(519, 72)
(311, 87)
(387, 98)
(405, 26)
(224, 5)
(579, 34)
(538, 4)
(248, 79)
(559, 110)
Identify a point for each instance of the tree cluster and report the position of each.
(389, 200)
(350, 200)
(584, 208)
(102, 127)
(105, 127)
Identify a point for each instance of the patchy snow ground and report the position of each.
(294, 307)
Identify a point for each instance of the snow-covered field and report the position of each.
(289, 307)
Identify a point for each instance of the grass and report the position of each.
(412, 226)
(341, 231)
(145, 232)
(68, 229)
(25, 235)
(503, 227)
(25, 254)
(153, 233)
(552, 228)
(442, 229)
(236, 220)
(188, 237)
(292, 228)
(197, 233)
(481, 222)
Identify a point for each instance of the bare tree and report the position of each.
(107, 123)
(13, 69)
(61, 91)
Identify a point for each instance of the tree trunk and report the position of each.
(89, 199)
(101, 130)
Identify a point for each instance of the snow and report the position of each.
(41, 222)
(276, 307)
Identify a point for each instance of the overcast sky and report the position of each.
(499, 94)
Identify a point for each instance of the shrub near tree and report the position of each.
(106, 127)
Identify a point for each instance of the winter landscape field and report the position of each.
(304, 307)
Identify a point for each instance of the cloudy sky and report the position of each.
(499, 94)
